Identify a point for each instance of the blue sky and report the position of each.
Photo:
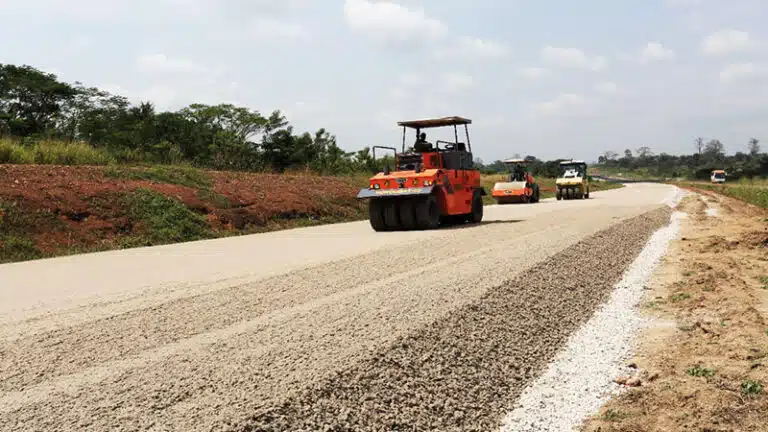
(552, 78)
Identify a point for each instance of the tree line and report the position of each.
(708, 155)
(35, 106)
(537, 167)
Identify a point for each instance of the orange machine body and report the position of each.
(426, 188)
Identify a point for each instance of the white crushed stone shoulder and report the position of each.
(674, 197)
(580, 379)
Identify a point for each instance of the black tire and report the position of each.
(427, 213)
(391, 216)
(477, 208)
(407, 211)
(376, 215)
(587, 194)
(559, 194)
(535, 196)
(452, 220)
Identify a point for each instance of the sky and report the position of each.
(550, 78)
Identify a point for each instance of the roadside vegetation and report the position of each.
(644, 164)
(748, 190)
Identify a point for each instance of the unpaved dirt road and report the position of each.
(333, 327)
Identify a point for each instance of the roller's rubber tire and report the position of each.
(477, 208)
(427, 213)
(407, 212)
(535, 197)
(376, 215)
(391, 216)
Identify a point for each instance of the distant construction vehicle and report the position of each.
(520, 187)
(430, 186)
(718, 176)
(572, 181)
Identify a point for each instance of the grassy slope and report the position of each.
(48, 210)
(753, 192)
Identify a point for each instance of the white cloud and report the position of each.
(564, 104)
(162, 64)
(682, 3)
(742, 71)
(727, 41)
(473, 47)
(651, 52)
(607, 87)
(534, 73)
(655, 51)
(385, 21)
(269, 29)
(455, 81)
(572, 58)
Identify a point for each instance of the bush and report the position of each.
(164, 220)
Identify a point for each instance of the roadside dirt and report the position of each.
(55, 210)
(703, 362)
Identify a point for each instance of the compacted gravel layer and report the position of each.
(463, 372)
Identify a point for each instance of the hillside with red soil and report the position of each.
(52, 210)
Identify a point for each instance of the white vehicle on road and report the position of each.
(718, 176)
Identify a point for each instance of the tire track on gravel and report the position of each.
(211, 379)
(465, 371)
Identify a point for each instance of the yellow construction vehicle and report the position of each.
(572, 181)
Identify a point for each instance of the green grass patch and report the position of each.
(699, 371)
(751, 388)
(612, 415)
(676, 297)
(179, 175)
(15, 248)
(215, 198)
(52, 153)
(163, 220)
(654, 304)
(15, 242)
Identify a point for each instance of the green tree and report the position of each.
(754, 146)
(31, 101)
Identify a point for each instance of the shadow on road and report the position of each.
(482, 223)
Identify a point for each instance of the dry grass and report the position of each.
(52, 153)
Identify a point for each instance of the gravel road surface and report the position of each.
(333, 326)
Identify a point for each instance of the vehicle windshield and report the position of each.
(719, 176)
(571, 171)
(517, 173)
